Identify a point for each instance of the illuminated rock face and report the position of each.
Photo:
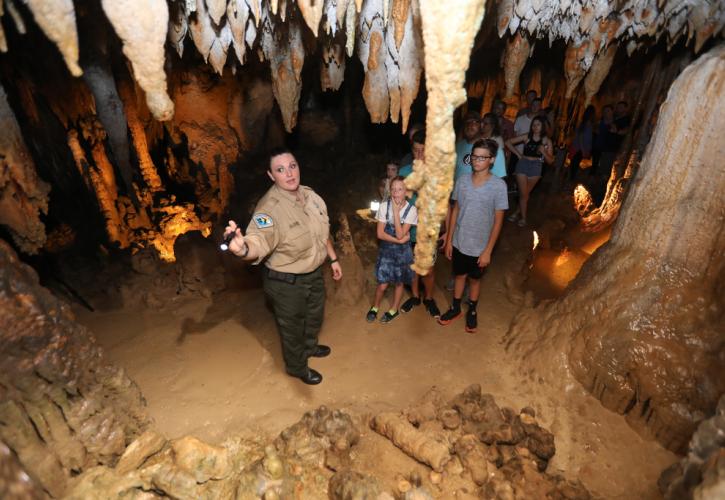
(62, 406)
(23, 196)
(641, 326)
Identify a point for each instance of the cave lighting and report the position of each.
(582, 200)
(536, 240)
(374, 206)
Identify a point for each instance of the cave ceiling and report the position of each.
(387, 37)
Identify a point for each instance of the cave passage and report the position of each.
(139, 359)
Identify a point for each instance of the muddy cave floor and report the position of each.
(213, 368)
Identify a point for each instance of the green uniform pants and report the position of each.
(298, 310)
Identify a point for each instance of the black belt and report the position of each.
(287, 277)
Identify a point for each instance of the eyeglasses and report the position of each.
(480, 158)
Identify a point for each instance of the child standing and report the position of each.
(395, 217)
(391, 171)
(480, 199)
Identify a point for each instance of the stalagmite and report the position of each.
(598, 72)
(237, 17)
(286, 56)
(448, 37)
(23, 195)
(372, 52)
(311, 12)
(514, 60)
(142, 26)
(101, 179)
(640, 327)
(332, 69)
(57, 19)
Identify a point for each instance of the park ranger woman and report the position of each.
(290, 233)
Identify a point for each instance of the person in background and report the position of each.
(470, 132)
(536, 149)
(391, 171)
(395, 255)
(531, 95)
(522, 125)
(581, 146)
(418, 150)
(506, 125)
(480, 199)
(290, 233)
(490, 130)
(412, 129)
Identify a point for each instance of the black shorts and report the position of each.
(466, 264)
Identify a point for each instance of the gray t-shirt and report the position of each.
(476, 212)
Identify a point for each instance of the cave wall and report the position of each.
(63, 408)
(641, 325)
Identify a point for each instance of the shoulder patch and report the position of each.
(262, 220)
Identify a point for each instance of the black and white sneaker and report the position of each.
(409, 304)
(432, 308)
(471, 320)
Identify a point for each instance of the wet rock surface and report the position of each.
(701, 474)
(650, 301)
(63, 408)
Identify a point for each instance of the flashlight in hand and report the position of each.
(224, 246)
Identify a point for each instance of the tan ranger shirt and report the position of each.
(292, 237)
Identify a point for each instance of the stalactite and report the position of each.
(109, 108)
(400, 13)
(448, 36)
(598, 72)
(332, 69)
(350, 25)
(237, 17)
(638, 22)
(286, 56)
(211, 39)
(178, 26)
(574, 68)
(106, 196)
(142, 26)
(138, 134)
(372, 52)
(216, 9)
(23, 195)
(311, 12)
(57, 19)
(514, 59)
(411, 53)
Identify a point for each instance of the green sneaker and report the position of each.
(389, 316)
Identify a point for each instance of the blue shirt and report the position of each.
(464, 147)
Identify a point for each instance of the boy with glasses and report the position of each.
(480, 200)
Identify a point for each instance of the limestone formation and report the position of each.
(372, 53)
(142, 26)
(23, 195)
(57, 19)
(448, 37)
(700, 474)
(63, 407)
(514, 59)
(630, 332)
(283, 48)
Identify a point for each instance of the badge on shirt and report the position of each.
(262, 221)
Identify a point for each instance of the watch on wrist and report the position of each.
(332, 261)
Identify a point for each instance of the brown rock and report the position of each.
(139, 450)
(200, 460)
